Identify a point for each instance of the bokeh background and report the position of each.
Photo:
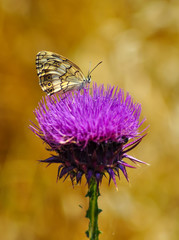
(138, 42)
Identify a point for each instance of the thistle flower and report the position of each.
(91, 134)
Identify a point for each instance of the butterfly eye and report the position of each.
(89, 78)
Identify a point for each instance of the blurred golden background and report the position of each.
(138, 42)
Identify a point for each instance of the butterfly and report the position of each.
(58, 74)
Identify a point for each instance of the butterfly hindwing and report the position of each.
(58, 74)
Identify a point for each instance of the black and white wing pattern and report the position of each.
(58, 74)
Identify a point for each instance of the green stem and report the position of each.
(93, 210)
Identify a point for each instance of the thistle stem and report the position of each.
(93, 210)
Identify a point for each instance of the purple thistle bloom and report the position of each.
(90, 133)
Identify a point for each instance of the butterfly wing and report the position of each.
(57, 73)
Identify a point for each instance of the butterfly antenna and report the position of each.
(94, 68)
(89, 68)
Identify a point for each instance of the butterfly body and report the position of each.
(58, 74)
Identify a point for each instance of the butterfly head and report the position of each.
(88, 78)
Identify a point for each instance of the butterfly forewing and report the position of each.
(58, 74)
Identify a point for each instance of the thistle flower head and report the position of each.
(91, 134)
